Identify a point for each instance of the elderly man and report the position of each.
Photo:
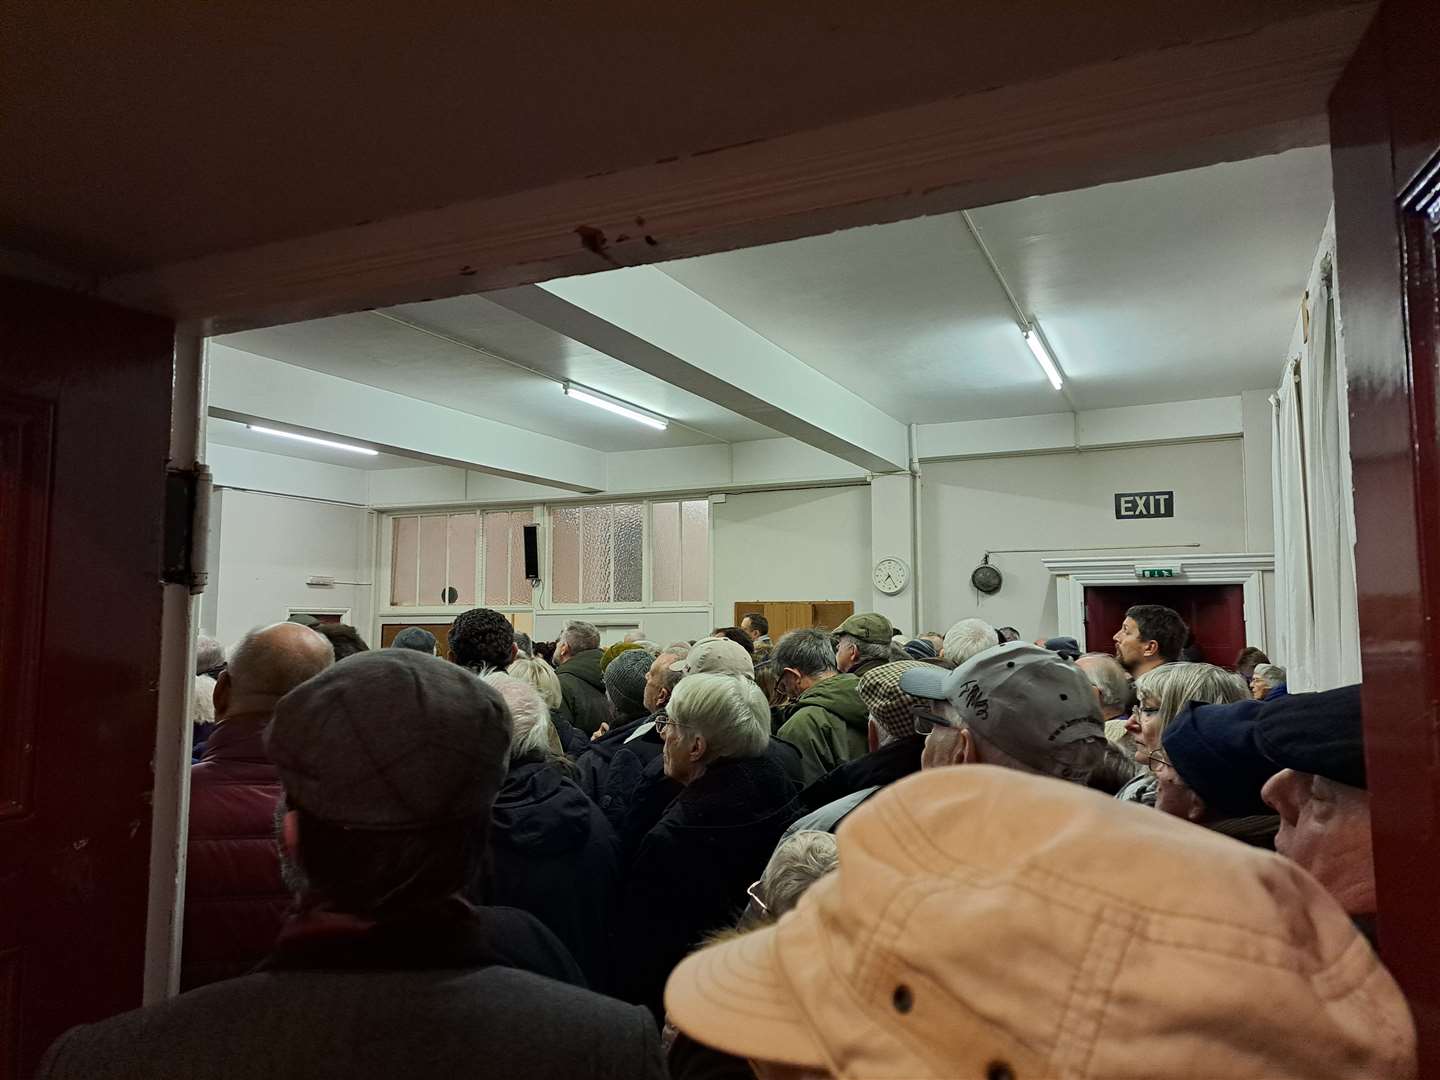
(692, 868)
(582, 684)
(1150, 635)
(906, 961)
(1016, 705)
(967, 638)
(862, 643)
(234, 898)
(1113, 689)
(827, 722)
(1316, 742)
(385, 971)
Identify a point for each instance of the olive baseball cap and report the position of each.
(1025, 700)
(391, 739)
(871, 628)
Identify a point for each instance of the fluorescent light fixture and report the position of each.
(1041, 351)
(619, 408)
(312, 439)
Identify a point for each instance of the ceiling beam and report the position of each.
(643, 317)
(255, 389)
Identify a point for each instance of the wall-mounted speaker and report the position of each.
(532, 552)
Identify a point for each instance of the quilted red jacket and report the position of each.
(234, 899)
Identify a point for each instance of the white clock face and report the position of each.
(890, 576)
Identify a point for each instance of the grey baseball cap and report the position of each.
(1025, 700)
(393, 739)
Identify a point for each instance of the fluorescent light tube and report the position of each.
(312, 439)
(1041, 352)
(615, 407)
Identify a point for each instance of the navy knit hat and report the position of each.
(1316, 733)
(919, 649)
(1214, 749)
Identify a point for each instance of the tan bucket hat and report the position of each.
(989, 923)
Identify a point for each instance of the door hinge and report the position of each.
(187, 527)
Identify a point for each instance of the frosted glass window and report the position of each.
(665, 544)
(461, 560)
(565, 555)
(596, 552)
(629, 552)
(404, 551)
(695, 550)
(497, 559)
(520, 592)
(433, 545)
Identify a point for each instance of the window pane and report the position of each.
(565, 555)
(497, 558)
(433, 533)
(629, 552)
(598, 525)
(404, 550)
(462, 556)
(665, 546)
(520, 592)
(695, 549)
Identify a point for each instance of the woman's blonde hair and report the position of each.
(1173, 686)
(539, 674)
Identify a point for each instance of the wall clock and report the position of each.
(890, 576)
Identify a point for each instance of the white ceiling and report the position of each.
(231, 433)
(1161, 289)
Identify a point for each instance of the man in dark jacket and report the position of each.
(234, 898)
(386, 972)
(828, 722)
(577, 663)
(693, 868)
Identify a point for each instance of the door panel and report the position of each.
(1385, 153)
(84, 430)
(786, 615)
(1214, 613)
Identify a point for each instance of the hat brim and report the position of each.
(927, 681)
(734, 996)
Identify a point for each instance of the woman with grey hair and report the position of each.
(1160, 695)
(1268, 682)
(799, 861)
(553, 852)
(692, 869)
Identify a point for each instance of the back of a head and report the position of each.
(625, 684)
(728, 710)
(968, 638)
(271, 661)
(580, 636)
(523, 645)
(798, 862)
(1117, 691)
(344, 639)
(416, 638)
(540, 675)
(209, 656)
(809, 650)
(482, 639)
(735, 634)
(1249, 657)
(1162, 625)
(1173, 686)
(531, 730)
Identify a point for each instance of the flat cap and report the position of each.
(392, 739)
(870, 627)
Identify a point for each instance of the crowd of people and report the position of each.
(842, 853)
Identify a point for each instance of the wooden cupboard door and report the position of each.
(787, 615)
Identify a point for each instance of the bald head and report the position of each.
(269, 663)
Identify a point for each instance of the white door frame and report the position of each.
(1245, 569)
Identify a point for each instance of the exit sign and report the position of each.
(1144, 504)
(1157, 571)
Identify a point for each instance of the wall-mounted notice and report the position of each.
(1144, 504)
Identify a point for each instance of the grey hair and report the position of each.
(729, 711)
(535, 671)
(202, 701)
(672, 677)
(531, 729)
(581, 636)
(1173, 686)
(798, 862)
(1107, 676)
(865, 651)
(209, 654)
(967, 638)
(524, 644)
(1271, 674)
(808, 650)
(274, 660)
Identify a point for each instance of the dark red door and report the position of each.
(1385, 155)
(1214, 613)
(84, 429)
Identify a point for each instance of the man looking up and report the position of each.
(1151, 635)
(582, 685)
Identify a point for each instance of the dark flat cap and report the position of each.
(1214, 750)
(1067, 647)
(415, 637)
(1316, 733)
(391, 739)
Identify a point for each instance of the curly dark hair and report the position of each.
(482, 638)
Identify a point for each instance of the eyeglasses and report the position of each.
(926, 719)
(754, 893)
(662, 721)
(1157, 758)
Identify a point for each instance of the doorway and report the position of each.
(1214, 613)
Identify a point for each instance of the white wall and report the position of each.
(807, 544)
(1062, 502)
(269, 545)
